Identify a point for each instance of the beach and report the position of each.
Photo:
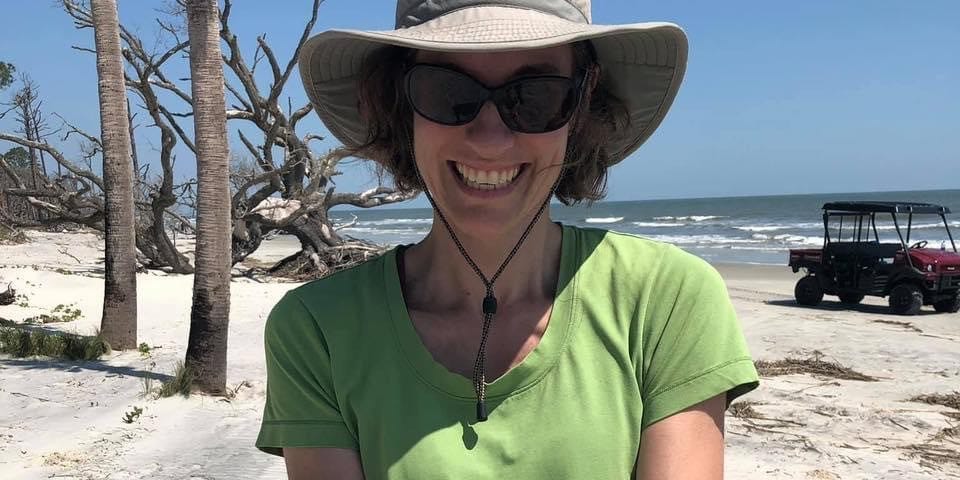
(65, 419)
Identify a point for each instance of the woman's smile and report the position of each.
(487, 182)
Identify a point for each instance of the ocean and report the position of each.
(758, 230)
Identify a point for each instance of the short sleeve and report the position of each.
(301, 407)
(693, 346)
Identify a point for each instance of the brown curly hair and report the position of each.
(389, 119)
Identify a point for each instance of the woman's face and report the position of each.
(487, 179)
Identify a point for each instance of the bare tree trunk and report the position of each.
(133, 143)
(28, 128)
(119, 322)
(43, 163)
(210, 314)
(43, 159)
(34, 213)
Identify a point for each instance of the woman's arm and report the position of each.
(322, 464)
(686, 445)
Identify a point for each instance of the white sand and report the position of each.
(63, 419)
(847, 429)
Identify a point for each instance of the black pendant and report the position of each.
(489, 305)
(481, 411)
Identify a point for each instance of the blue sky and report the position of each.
(779, 97)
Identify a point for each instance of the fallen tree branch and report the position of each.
(65, 252)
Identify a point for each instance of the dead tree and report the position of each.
(76, 197)
(300, 177)
(13, 208)
(322, 250)
(285, 165)
(157, 197)
(26, 107)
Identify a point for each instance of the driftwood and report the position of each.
(9, 296)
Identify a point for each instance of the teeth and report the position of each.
(487, 180)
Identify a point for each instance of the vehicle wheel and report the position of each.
(950, 305)
(906, 299)
(808, 291)
(851, 298)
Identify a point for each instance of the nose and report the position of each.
(488, 135)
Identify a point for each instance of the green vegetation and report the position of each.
(11, 235)
(180, 383)
(21, 342)
(60, 314)
(18, 158)
(6, 74)
(132, 415)
(144, 349)
(147, 389)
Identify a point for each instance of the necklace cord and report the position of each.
(489, 305)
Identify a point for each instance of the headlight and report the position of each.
(929, 267)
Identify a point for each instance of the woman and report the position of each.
(503, 344)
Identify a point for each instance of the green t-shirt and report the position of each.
(640, 330)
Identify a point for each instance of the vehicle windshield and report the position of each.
(880, 228)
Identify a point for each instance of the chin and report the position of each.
(486, 224)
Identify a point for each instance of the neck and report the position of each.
(440, 278)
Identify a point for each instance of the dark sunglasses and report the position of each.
(529, 104)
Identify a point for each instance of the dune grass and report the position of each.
(180, 383)
(21, 342)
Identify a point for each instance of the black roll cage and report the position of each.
(863, 210)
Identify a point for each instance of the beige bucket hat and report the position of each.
(642, 63)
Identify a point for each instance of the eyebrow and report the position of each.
(531, 69)
(537, 69)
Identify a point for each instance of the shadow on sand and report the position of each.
(836, 306)
(79, 366)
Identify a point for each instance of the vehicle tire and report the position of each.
(851, 298)
(906, 299)
(808, 291)
(950, 305)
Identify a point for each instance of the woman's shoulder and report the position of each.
(633, 267)
(626, 252)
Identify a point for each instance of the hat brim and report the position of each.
(643, 64)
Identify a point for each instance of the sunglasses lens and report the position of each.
(526, 105)
(444, 96)
(537, 105)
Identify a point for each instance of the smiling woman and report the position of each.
(503, 343)
(386, 115)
